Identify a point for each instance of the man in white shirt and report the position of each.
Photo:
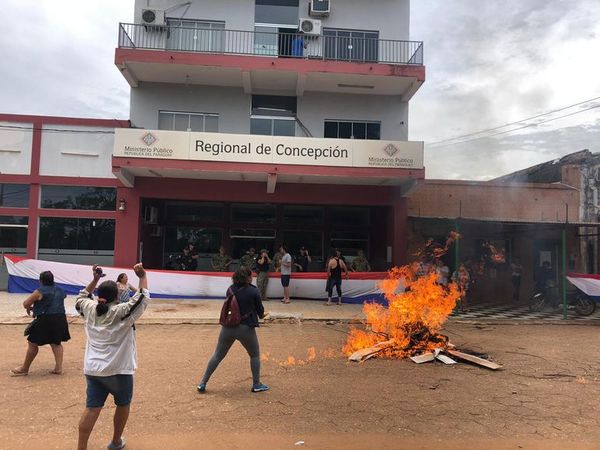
(286, 272)
(110, 352)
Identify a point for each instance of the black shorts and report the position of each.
(285, 280)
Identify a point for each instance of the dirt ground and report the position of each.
(546, 397)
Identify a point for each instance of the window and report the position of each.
(350, 45)
(350, 242)
(253, 213)
(350, 216)
(14, 195)
(79, 197)
(243, 239)
(352, 130)
(270, 126)
(273, 115)
(194, 212)
(302, 217)
(312, 240)
(206, 240)
(185, 121)
(196, 35)
(276, 11)
(13, 234)
(84, 235)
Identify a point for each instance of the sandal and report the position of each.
(56, 372)
(327, 304)
(18, 373)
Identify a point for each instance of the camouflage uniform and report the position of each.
(360, 264)
(220, 262)
(248, 261)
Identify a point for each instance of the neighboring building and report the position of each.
(580, 170)
(245, 132)
(520, 220)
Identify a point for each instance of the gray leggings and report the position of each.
(247, 337)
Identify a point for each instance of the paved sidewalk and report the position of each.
(198, 311)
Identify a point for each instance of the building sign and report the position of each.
(222, 147)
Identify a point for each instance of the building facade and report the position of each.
(252, 123)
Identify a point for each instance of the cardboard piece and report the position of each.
(474, 359)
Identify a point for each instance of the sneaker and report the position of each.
(112, 446)
(201, 388)
(260, 387)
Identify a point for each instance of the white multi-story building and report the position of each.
(252, 122)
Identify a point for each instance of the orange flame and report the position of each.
(417, 309)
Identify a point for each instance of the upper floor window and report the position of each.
(350, 45)
(341, 129)
(186, 121)
(273, 115)
(79, 197)
(276, 12)
(196, 35)
(14, 195)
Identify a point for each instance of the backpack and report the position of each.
(230, 312)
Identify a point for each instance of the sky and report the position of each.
(489, 63)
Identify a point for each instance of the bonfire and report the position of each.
(410, 324)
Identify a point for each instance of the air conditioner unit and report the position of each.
(310, 27)
(151, 215)
(153, 17)
(320, 7)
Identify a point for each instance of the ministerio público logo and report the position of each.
(391, 150)
(149, 139)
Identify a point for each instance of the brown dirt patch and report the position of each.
(546, 397)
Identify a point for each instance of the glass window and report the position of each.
(350, 242)
(243, 239)
(302, 216)
(194, 212)
(345, 130)
(13, 234)
(262, 127)
(76, 234)
(373, 130)
(253, 213)
(14, 195)
(276, 11)
(79, 197)
(270, 126)
(350, 45)
(350, 216)
(352, 130)
(196, 35)
(188, 121)
(331, 129)
(284, 127)
(274, 105)
(206, 240)
(312, 240)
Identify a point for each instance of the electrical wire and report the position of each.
(516, 129)
(516, 122)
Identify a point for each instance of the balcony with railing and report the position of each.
(339, 52)
(331, 47)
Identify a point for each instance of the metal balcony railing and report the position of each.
(257, 43)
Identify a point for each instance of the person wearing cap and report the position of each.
(262, 279)
(302, 260)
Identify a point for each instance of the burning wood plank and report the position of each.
(474, 359)
(366, 353)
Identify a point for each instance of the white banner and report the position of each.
(24, 274)
(222, 147)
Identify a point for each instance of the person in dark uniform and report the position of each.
(49, 326)
(263, 263)
(302, 260)
(335, 266)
